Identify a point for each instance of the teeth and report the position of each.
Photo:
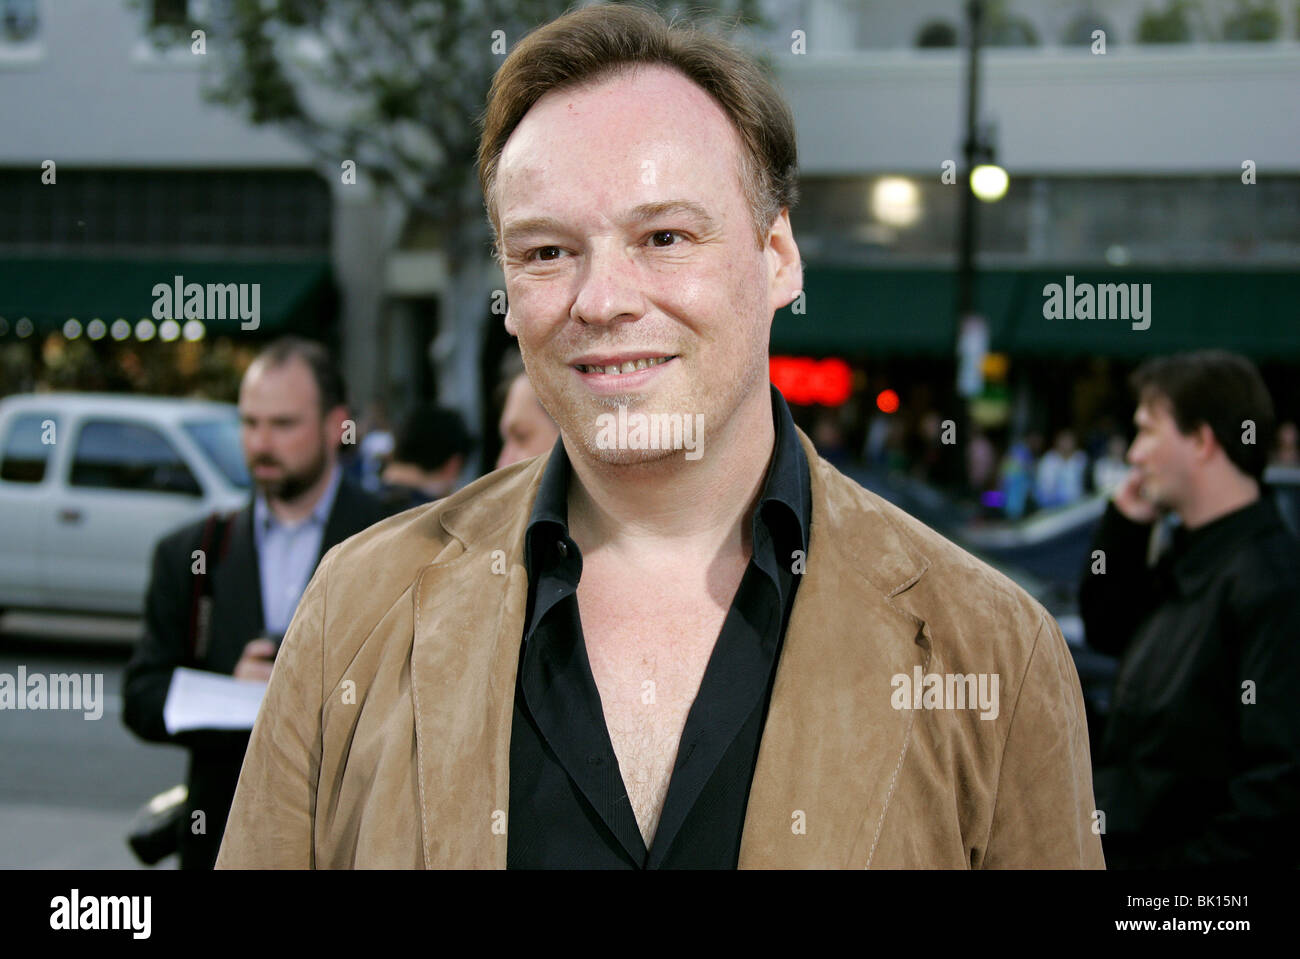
(631, 366)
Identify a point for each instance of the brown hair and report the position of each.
(591, 44)
(1220, 389)
(329, 381)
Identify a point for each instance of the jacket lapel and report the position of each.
(352, 512)
(833, 743)
(469, 623)
(243, 548)
(237, 596)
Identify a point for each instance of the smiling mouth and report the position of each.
(631, 366)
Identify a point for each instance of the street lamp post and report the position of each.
(971, 150)
(972, 328)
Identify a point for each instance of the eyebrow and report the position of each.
(638, 214)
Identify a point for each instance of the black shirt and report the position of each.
(1200, 760)
(568, 804)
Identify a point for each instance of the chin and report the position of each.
(1157, 497)
(626, 457)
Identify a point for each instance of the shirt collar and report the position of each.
(788, 484)
(264, 519)
(786, 491)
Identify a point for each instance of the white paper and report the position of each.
(198, 699)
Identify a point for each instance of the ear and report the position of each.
(334, 421)
(511, 327)
(785, 269)
(1206, 444)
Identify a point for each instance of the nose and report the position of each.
(610, 287)
(257, 439)
(510, 453)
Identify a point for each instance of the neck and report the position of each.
(1227, 496)
(298, 509)
(674, 506)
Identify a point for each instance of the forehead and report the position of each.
(627, 138)
(291, 381)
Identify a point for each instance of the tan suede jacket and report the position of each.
(384, 738)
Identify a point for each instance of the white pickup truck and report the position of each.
(90, 481)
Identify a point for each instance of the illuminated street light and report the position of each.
(989, 182)
(895, 201)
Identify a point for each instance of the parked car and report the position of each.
(90, 481)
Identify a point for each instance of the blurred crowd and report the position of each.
(428, 455)
(1009, 476)
(1005, 476)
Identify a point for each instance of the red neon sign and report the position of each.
(805, 381)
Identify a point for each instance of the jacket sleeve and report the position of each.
(1043, 807)
(162, 647)
(272, 818)
(1113, 604)
(1264, 786)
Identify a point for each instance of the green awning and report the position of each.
(50, 291)
(911, 311)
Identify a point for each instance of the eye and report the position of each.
(533, 253)
(664, 233)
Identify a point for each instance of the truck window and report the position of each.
(121, 455)
(27, 447)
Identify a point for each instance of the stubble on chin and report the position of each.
(292, 486)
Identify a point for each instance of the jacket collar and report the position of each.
(832, 743)
(1199, 553)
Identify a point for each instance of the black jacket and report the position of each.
(236, 619)
(1200, 760)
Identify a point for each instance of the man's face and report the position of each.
(526, 429)
(626, 237)
(286, 440)
(1165, 458)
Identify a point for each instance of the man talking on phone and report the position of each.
(1200, 761)
(227, 614)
